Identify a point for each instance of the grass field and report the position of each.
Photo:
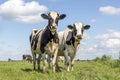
(83, 70)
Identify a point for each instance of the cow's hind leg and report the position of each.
(39, 58)
(34, 61)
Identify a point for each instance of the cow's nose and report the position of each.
(54, 24)
(79, 36)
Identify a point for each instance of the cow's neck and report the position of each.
(48, 29)
(76, 43)
(51, 36)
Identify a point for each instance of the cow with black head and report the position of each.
(45, 41)
(69, 41)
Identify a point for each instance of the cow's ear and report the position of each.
(86, 27)
(70, 26)
(62, 16)
(44, 16)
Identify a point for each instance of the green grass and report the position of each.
(86, 70)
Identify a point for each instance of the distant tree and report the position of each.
(105, 58)
(78, 59)
(97, 59)
(9, 59)
(118, 61)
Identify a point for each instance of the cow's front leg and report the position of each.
(72, 63)
(48, 60)
(72, 57)
(54, 59)
(67, 60)
(44, 62)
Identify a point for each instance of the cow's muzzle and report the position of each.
(53, 29)
(79, 37)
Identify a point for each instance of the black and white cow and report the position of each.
(45, 41)
(69, 41)
(27, 57)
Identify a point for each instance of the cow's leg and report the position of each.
(39, 57)
(65, 64)
(57, 66)
(67, 60)
(31, 60)
(72, 59)
(34, 60)
(48, 60)
(72, 63)
(54, 59)
(44, 62)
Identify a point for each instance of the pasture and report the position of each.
(83, 70)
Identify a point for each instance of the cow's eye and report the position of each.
(56, 21)
(75, 32)
(51, 20)
(82, 31)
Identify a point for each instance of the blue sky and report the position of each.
(19, 17)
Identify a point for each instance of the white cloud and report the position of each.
(111, 39)
(107, 43)
(110, 10)
(18, 10)
(110, 34)
(112, 43)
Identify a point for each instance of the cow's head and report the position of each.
(77, 30)
(53, 18)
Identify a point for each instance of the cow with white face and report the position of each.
(45, 41)
(69, 41)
